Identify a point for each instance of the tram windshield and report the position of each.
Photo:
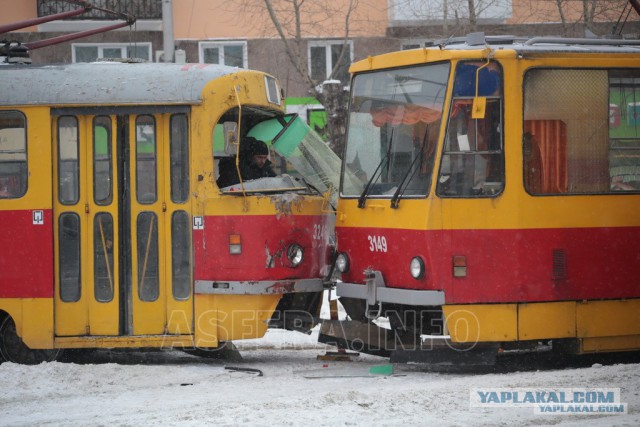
(394, 121)
(300, 159)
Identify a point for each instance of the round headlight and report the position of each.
(342, 262)
(417, 268)
(295, 253)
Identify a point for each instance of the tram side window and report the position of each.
(624, 130)
(13, 155)
(147, 248)
(179, 147)
(70, 257)
(102, 170)
(146, 184)
(586, 138)
(473, 160)
(68, 165)
(181, 255)
(103, 271)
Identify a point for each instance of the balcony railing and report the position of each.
(141, 9)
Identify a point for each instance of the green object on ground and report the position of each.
(381, 370)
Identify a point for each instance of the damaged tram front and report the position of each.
(489, 200)
(108, 182)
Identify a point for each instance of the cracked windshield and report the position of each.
(393, 131)
(298, 159)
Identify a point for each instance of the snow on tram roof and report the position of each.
(107, 83)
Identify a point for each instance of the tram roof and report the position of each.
(107, 83)
(517, 45)
(540, 44)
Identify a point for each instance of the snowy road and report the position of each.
(172, 388)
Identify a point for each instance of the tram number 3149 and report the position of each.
(377, 243)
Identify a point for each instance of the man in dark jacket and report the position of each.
(254, 163)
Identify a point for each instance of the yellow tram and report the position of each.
(114, 232)
(490, 195)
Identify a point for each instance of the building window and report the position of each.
(415, 44)
(323, 56)
(147, 9)
(86, 52)
(233, 54)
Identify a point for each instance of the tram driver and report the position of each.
(254, 163)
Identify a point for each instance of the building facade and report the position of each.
(243, 33)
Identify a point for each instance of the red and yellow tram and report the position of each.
(113, 230)
(490, 194)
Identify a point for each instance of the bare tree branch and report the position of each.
(295, 55)
(294, 25)
(341, 58)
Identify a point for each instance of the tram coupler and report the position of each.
(341, 355)
(356, 336)
(373, 281)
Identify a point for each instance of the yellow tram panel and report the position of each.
(602, 344)
(544, 320)
(33, 318)
(232, 317)
(552, 320)
(622, 318)
(481, 322)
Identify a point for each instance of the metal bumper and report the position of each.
(266, 287)
(431, 350)
(375, 291)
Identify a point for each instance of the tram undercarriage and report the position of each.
(418, 335)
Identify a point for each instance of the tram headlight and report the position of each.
(295, 254)
(417, 268)
(342, 262)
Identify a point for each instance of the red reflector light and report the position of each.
(459, 266)
(235, 244)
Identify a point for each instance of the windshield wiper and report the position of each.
(395, 200)
(363, 196)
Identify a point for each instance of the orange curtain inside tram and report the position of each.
(545, 156)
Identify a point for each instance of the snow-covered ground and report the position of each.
(173, 388)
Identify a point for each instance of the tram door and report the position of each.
(122, 233)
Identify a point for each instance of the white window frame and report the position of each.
(221, 45)
(327, 45)
(122, 46)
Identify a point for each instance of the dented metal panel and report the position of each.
(264, 287)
